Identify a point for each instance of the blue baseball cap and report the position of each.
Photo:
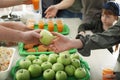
(115, 7)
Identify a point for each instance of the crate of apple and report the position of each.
(62, 66)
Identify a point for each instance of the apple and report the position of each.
(52, 58)
(22, 74)
(70, 69)
(24, 63)
(46, 65)
(43, 57)
(61, 75)
(31, 57)
(49, 74)
(80, 73)
(64, 53)
(37, 61)
(58, 67)
(75, 56)
(54, 55)
(75, 63)
(64, 59)
(35, 70)
(47, 37)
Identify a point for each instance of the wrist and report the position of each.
(56, 7)
(20, 36)
(76, 43)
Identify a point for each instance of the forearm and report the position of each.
(8, 3)
(7, 34)
(64, 4)
(15, 25)
(76, 43)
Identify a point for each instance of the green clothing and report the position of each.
(76, 7)
(102, 40)
(95, 26)
(91, 8)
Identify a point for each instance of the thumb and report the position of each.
(37, 35)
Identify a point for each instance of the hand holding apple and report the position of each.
(47, 37)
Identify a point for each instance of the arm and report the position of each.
(62, 43)
(8, 3)
(102, 40)
(85, 26)
(7, 34)
(53, 9)
(15, 25)
(64, 4)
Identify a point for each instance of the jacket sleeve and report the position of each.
(86, 26)
(117, 75)
(101, 40)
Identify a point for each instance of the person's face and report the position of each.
(107, 19)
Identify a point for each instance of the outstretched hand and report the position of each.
(61, 43)
(51, 12)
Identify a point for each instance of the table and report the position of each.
(98, 60)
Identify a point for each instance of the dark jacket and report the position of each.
(101, 40)
(95, 26)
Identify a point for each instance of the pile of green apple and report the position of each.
(51, 67)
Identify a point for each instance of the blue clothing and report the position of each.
(69, 14)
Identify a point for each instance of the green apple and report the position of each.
(64, 53)
(46, 65)
(54, 55)
(52, 59)
(47, 37)
(75, 56)
(24, 63)
(64, 59)
(61, 75)
(35, 70)
(75, 63)
(58, 67)
(49, 74)
(31, 57)
(43, 57)
(37, 61)
(80, 73)
(70, 69)
(22, 74)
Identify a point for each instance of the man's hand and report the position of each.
(51, 11)
(31, 36)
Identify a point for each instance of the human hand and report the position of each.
(61, 43)
(20, 26)
(15, 25)
(82, 33)
(31, 36)
(51, 11)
